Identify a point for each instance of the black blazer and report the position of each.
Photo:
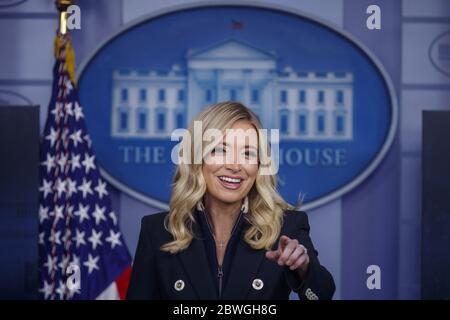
(157, 274)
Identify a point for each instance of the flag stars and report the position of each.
(75, 162)
(91, 264)
(62, 161)
(46, 290)
(78, 111)
(88, 162)
(88, 140)
(46, 188)
(76, 138)
(68, 108)
(99, 214)
(43, 213)
(54, 237)
(101, 189)
(82, 212)
(60, 187)
(79, 238)
(53, 136)
(68, 85)
(64, 263)
(113, 217)
(49, 163)
(71, 187)
(95, 239)
(85, 187)
(50, 264)
(58, 111)
(114, 239)
(41, 238)
(57, 213)
(60, 290)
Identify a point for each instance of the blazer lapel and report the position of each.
(244, 268)
(197, 268)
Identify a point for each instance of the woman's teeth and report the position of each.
(230, 183)
(231, 180)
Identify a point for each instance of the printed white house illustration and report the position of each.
(302, 105)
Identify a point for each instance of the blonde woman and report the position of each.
(228, 233)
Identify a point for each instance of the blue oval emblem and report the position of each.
(332, 102)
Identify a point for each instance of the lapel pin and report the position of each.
(179, 285)
(257, 284)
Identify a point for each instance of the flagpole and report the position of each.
(62, 38)
(62, 6)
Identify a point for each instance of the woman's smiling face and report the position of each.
(230, 169)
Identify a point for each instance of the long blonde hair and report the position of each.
(266, 206)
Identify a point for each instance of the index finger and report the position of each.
(284, 240)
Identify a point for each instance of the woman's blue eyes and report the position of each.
(219, 150)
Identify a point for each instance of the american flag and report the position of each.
(82, 253)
